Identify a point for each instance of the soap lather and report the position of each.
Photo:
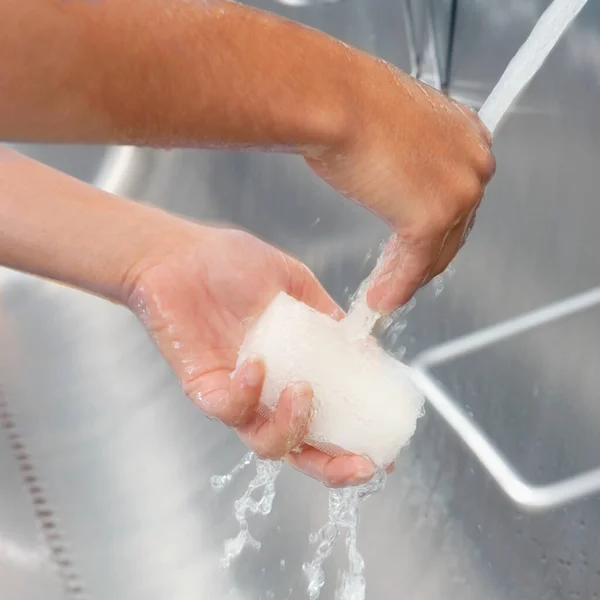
(365, 401)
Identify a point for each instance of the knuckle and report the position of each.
(470, 194)
(266, 444)
(226, 416)
(240, 417)
(215, 405)
(268, 452)
(485, 164)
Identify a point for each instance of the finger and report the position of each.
(406, 268)
(244, 394)
(449, 250)
(308, 289)
(332, 471)
(469, 227)
(453, 244)
(286, 428)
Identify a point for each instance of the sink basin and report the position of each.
(106, 466)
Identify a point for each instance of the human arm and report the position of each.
(217, 73)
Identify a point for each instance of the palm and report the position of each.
(204, 297)
(197, 302)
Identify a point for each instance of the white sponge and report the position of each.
(364, 400)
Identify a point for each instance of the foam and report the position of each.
(365, 401)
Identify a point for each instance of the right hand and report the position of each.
(420, 161)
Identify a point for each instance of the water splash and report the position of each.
(360, 320)
(344, 508)
(343, 517)
(529, 59)
(219, 482)
(438, 283)
(267, 472)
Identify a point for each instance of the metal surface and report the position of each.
(26, 568)
(430, 31)
(518, 489)
(124, 459)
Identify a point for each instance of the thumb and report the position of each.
(402, 269)
(306, 288)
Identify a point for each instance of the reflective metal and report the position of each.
(430, 30)
(124, 460)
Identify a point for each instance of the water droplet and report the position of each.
(218, 482)
(438, 285)
(264, 482)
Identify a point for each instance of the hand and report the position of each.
(194, 296)
(417, 159)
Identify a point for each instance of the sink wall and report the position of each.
(124, 460)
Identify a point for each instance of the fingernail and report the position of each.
(302, 395)
(361, 477)
(253, 373)
(364, 472)
(338, 314)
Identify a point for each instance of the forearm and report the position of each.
(177, 73)
(57, 227)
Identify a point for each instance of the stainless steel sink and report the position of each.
(105, 466)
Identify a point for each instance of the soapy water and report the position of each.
(344, 503)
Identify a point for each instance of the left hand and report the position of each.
(194, 292)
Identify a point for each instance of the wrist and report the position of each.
(157, 236)
(364, 82)
(62, 229)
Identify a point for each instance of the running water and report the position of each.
(267, 472)
(344, 504)
(218, 482)
(343, 516)
(529, 59)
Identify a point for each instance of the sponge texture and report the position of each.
(365, 401)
